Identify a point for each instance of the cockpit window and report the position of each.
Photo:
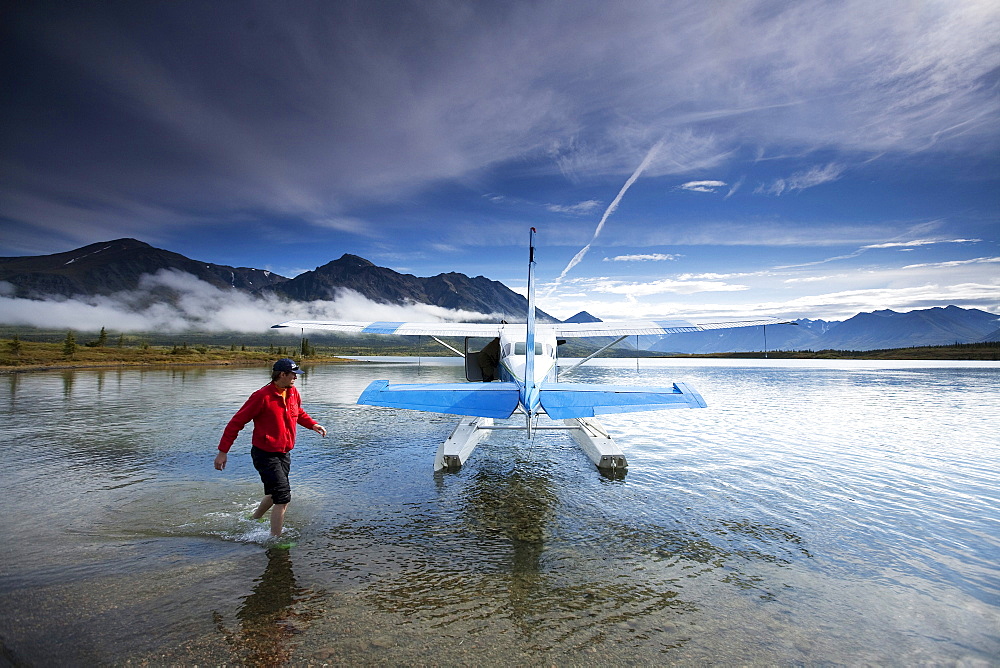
(521, 346)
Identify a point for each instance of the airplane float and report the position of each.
(527, 383)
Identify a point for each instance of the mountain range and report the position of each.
(124, 265)
(114, 266)
(865, 331)
(452, 290)
(121, 265)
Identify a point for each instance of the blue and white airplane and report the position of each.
(527, 383)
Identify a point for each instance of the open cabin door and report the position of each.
(472, 371)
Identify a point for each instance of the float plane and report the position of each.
(526, 383)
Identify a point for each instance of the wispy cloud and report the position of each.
(919, 242)
(903, 245)
(830, 305)
(579, 208)
(809, 178)
(345, 224)
(811, 279)
(703, 186)
(436, 94)
(646, 161)
(305, 130)
(648, 257)
(736, 186)
(954, 263)
(713, 276)
(790, 233)
(665, 286)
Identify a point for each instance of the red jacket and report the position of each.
(274, 419)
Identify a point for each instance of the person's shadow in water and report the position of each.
(269, 616)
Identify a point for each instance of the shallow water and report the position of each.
(842, 512)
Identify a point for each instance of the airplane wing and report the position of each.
(494, 400)
(398, 328)
(564, 330)
(562, 401)
(629, 327)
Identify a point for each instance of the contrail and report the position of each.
(611, 209)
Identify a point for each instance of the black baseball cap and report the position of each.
(287, 364)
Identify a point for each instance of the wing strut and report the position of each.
(593, 355)
(457, 352)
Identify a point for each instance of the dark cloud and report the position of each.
(277, 121)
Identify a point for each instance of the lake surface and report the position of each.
(814, 513)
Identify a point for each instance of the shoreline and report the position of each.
(151, 364)
(17, 356)
(8, 370)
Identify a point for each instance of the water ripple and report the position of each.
(806, 516)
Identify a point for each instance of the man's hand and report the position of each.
(220, 461)
(320, 429)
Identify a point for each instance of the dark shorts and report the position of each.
(273, 468)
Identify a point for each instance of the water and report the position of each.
(834, 513)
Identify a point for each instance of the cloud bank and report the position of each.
(173, 301)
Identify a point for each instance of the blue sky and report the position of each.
(800, 159)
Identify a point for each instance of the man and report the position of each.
(488, 359)
(275, 409)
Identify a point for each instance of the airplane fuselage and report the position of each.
(514, 365)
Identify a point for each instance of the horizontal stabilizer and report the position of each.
(576, 400)
(493, 400)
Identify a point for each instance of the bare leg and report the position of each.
(277, 517)
(265, 504)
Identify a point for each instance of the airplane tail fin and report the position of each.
(493, 400)
(562, 401)
(529, 347)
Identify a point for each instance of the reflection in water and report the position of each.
(516, 503)
(12, 383)
(269, 615)
(566, 586)
(515, 507)
(618, 473)
(514, 570)
(67, 378)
